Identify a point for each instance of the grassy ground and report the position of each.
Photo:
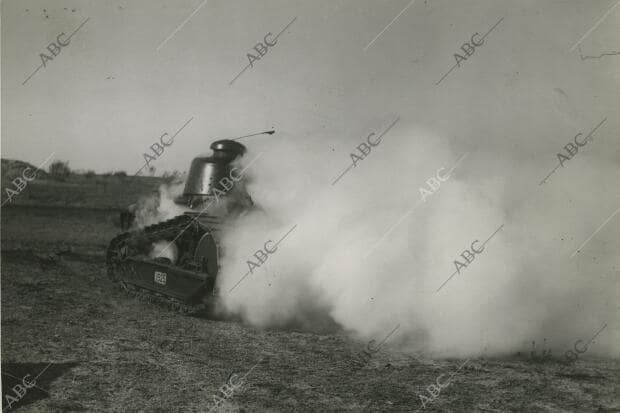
(109, 352)
(82, 191)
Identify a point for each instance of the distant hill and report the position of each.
(102, 191)
(13, 167)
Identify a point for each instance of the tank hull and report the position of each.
(186, 283)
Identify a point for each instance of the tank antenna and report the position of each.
(269, 132)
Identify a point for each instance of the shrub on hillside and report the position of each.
(60, 170)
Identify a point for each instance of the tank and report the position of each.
(176, 262)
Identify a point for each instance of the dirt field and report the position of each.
(109, 352)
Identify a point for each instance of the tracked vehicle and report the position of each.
(175, 262)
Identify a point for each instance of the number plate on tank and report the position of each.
(160, 277)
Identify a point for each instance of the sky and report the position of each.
(115, 89)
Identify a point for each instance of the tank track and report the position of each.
(119, 249)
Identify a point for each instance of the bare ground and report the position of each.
(109, 352)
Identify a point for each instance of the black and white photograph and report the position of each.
(310, 206)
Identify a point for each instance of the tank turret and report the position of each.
(208, 173)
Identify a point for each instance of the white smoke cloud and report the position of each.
(160, 207)
(523, 287)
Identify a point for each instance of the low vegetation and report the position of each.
(62, 186)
